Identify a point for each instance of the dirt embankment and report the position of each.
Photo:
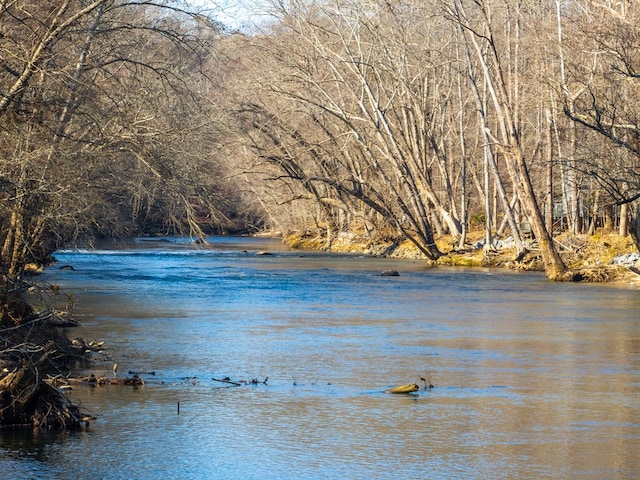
(592, 258)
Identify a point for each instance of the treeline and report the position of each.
(405, 119)
(108, 124)
(416, 117)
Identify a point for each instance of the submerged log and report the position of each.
(389, 273)
(134, 381)
(253, 381)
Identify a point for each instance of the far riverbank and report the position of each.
(594, 257)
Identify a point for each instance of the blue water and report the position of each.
(532, 379)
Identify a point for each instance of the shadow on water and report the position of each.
(27, 454)
(24, 443)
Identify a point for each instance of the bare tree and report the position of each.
(98, 102)
(382, 107)
(479, 25)
(608, 104)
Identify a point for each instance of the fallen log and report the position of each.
(253, 381)
(226, 380)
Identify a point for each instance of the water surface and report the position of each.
(533, 379)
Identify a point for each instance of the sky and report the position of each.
(235, 13)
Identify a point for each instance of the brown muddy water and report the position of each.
(532, 379)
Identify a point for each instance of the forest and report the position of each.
(403, 120)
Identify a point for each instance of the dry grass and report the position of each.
(589, 257)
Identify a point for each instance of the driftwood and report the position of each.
(94, 381)
(47, 318)
(35, 353)
(134, 381)
(253, 381)
(29, 399)
(81, 346)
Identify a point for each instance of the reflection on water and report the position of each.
(533, 379)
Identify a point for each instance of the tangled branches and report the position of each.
(34, 348)
(27, 395)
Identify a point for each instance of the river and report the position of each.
(532, 379)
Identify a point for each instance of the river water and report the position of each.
(532, 379)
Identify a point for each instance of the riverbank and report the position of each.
(592, 258)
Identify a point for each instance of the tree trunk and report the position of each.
(634, 224)
(623, 229)
(549, 157)
(554, 267)
(510, 145)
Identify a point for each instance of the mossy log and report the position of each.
(412, 387)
